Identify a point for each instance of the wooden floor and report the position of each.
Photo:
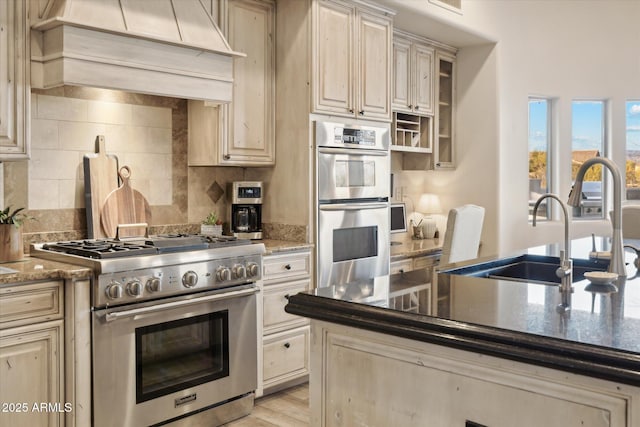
(288, 408)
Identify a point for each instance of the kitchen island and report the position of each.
(495, 353)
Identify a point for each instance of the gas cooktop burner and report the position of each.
(100, 249)
(160, 244)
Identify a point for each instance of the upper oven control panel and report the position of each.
(342, 135)
(152, 283)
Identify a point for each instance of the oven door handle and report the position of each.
(110, 317)
(353, 151)
(353, 206)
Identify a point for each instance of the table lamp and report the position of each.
(428, 205)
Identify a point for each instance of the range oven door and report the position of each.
(157, 361)
(353, 242)
(345, 173)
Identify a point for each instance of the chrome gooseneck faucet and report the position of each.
(565, 271)
(616, 265)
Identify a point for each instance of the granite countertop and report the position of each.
(31, 269)
(514, 320)
(404, 246)
(277, 246)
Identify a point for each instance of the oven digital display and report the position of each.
(355, 243)
(179, 354)
(355, 136)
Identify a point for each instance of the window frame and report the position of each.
(605, 152)
(627, 125)
(550, 150)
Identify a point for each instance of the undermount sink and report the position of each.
(529, 268)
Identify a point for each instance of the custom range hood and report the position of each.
(160, 47)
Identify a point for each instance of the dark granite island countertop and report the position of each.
(513, 320)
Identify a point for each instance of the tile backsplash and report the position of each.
(65, 129)
(147, 133)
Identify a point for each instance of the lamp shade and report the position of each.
(429, 204)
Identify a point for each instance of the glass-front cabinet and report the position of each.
(444, 154)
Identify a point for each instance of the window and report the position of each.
(539, 150)
(633, 151)
(587, 141)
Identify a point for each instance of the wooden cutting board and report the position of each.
(100, 179)
(124, 206)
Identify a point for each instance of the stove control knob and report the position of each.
(223, 273)
(252, 269)
(153, 284)
(239, 271)
(190, 279)
(114, 290)
(134, 288)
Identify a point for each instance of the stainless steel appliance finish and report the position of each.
(352, 162)
(246, 209)
(352, 189)
(354, 242)
(174, 332)
(159, 361)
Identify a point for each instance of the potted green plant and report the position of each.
(11, 246)
(212, 225)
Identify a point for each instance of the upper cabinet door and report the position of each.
(374, 89)
(402, 75)
(241, 133)
(423, 79)
(413, 76)
(334, 58)
(14, 80)
(251, 132)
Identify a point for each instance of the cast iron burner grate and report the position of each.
(101, 249)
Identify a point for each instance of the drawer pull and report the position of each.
(287, 345)
(287, 267)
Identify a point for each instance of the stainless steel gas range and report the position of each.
(173, 327)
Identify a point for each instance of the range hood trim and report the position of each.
(59, 21)
(180, 52)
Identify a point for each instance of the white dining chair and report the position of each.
(462, 237)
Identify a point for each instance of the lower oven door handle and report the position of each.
(352, 206)
(110, 317)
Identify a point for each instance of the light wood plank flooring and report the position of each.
(288, 408)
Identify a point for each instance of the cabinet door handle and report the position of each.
(361, 112)
(287, 345)
(287, 297)
(417, 107)
(351, 110)
(226, 157)
(287, 267)
(410, 106)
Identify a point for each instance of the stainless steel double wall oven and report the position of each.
(353, 187)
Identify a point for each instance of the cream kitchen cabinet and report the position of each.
(241, 133)
(14, 80)
(352, 44)
(444, 148)
(413, 77)
(31, 355)
(353, 370)
(285, 350)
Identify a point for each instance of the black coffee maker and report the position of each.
(246, 209)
